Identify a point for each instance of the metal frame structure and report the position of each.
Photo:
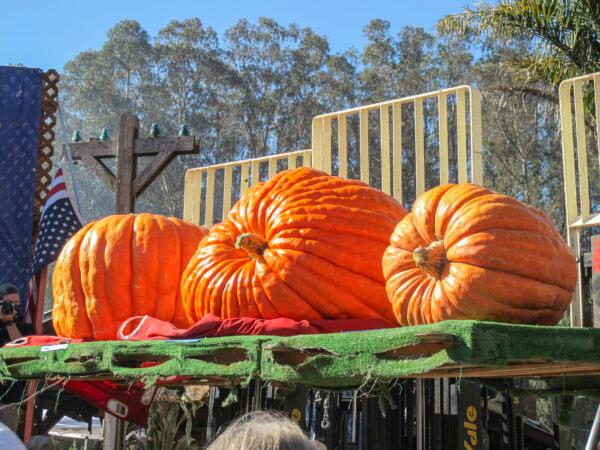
(576, 175)
(330, 153)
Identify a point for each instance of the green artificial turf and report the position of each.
(338, 360)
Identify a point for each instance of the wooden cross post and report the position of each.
(127, 183)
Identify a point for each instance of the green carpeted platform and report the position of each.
(454, 348)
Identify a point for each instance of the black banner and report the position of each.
(470, 430)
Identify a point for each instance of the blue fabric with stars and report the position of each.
(59, 223)
(20, 110)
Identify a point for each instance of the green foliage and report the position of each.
(170, 426)
(565, 34)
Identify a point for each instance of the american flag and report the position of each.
(59, 222)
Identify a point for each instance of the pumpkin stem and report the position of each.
(252, 244)
(431, 259)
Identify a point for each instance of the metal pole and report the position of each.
(63, 128)
(594, 436)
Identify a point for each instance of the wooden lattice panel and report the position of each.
(46, 139)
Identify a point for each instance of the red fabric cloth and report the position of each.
(41, 340)
(146, 328)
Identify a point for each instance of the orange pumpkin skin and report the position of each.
(118, 267)
(303, 245)
(466, 252)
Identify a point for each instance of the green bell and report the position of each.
(104, 134)
(76, 136)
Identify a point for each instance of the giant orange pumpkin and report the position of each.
(466, 252)
(120, 266)
(303, 245)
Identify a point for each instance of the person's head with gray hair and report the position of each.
(263, 430)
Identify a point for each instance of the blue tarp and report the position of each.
(20, 110)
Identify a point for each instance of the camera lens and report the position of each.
(7, 308)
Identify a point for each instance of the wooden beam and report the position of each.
(158, 163)
(141, 147)
(128, 130)
(127, 185)
(100, 169)
(93, 148)
(179, 144)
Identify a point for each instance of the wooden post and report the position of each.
(128, 131)
(40, 295)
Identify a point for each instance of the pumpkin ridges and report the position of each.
(203, 282)
(330, 247)
(144, 246)
(372, 229)
(443, 307)
(116, 293)
(504, 313)
(276, 287)
(514, 251)
(424, 211)
(248, 302)
(416, 303)
(349, 286)
(478, 217)
(331, 201)
(94, 280)
(479, 305)
(452, 201)
(426, 310)
(80, 322)
(250, 218)
(266, 308)
(168, 284)
(214, 287)
(321, 187)
(406, 236)
(408, 282)
(231, 299)
(294, 189)
(298, 279)
(67, 261)
(341, 195)
(488, 284)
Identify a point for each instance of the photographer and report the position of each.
(11, 328)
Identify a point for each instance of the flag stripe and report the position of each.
(57, 188)
(59, 222)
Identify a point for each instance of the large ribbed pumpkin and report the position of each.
(466, 252)
(303, 245)
(118, 267)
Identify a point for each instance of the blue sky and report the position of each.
(31, 36)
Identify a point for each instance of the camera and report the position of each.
(8, 308)
(9, 303)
